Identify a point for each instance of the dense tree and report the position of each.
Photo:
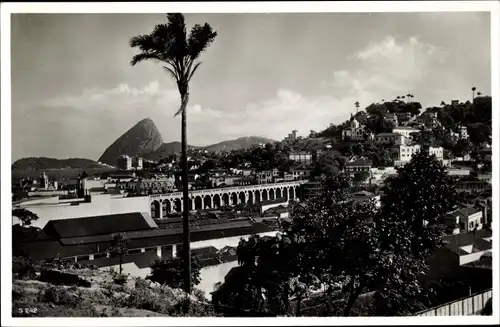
(479, 133)
(119, 247)
(461, 148)
(179, 54)
(338, 238)
(25, 216)
(169, 271)
(329, 163)
(361, 177)
(410, 225)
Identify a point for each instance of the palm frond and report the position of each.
(172, 72)
(144, 56)
(200, 38)
(193, 71)
(176, 27)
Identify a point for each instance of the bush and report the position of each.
(147, 300)
(61, 296)
(141, 283)
(24, 268)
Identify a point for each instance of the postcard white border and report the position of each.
(232, 7)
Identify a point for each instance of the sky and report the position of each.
(74, 91)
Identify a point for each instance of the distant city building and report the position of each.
(405, 131)
(124, 162)
(463, 134)
(137, 163)
(358, 165)
(404, 153)
(404, 117)
(267, 176)
(428, 119)
(389, 138)
(293, 135)
(303, 157)
(355, 132)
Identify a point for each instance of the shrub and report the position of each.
(61, 296)
(141, 283)
(24, 268)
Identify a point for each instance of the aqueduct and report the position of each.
(164, 204)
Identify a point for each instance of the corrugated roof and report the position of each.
(99, 225)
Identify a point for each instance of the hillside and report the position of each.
(43, 163)
(142, 138)
(96, 294)
(239, 143)
(165, 150)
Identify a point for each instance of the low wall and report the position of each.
(468, 306)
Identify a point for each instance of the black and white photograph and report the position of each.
(273, 160)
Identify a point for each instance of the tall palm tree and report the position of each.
(179, 55)
(473, 92)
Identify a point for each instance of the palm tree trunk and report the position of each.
(185, 194)
(120, 264)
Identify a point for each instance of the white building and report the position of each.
(389, 138)
(404, 153)
(354, 132)
(124, 162)
(405, 131)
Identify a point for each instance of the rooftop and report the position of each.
(475, 239)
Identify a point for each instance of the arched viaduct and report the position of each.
(164, 204)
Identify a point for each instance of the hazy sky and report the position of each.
(74, 91)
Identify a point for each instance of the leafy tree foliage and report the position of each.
(119, 247)
(330, 163)
(411, 229)
(361, 176)
(25, 216)
(169, 272)
(461, 148)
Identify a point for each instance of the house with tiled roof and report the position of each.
(459, 252)
(358, 165)
(465, 219)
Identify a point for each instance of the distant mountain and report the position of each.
(41, 163)
(240, 143)
(141, 139)
(165, 150)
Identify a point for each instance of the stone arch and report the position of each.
(271, 194)
(198, 203)
(178, 205)
(234, 199)
(241, 197)
(264, 195)
(257, 196)
(285, 193)
(278, 193)
(165, 207)
(225, 199)
(207, 202)
(155, 209)
(291, 193)
(217, 201)
(250, 197)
